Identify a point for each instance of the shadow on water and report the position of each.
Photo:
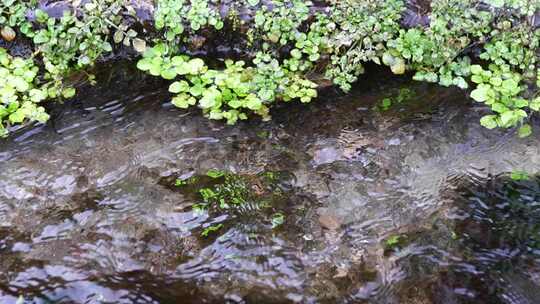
(383, 195)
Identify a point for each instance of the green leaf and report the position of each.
(535, 104)
(253, 103)
(195, 66)
(12, 107)
(388, 59)
(295, 53)
(196, 90)
(524, 131)
(510, 84)
(107, 47)
(84, 60)
(476, 69)
(210, 98)
(40, 115)
(496, 81)
(179, 86)
(168, 74)
(3, 112)
(183, 101)
(213, 173)
(177, 60)
(68, 92)
(480, 94)
(398, 67)
(131, 33)
(477, 79)
(314, 57)
(520, 102)
(118, 36)
(41, 37)
(519, 175)
(507, 118)
(489, 121)
(20, 84)
(496, 3)
(499, 107)
(17, 116)
(259, 19)
(219, 25)
(37, 95)
(277, 220)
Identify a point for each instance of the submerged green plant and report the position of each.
(393, 241)
(212, 228)
(227, 196)
(386, 103)
(519, 175)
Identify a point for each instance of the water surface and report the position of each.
(410, 204)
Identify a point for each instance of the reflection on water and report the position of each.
(410, 204)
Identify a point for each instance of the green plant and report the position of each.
(281, 23)
(339, 41)
(215, 173)
(386, 103)
(13, 16)
(292, 45)
(20, 92)
(210, 229)
(362, 30)
(224, 197)
(519, 175)
(228, 93)
(233, 191)
(67, 44)
(500, 90)
(76, 41)
(175, 15)
(393, 241)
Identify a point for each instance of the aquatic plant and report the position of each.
(221, 193)
(402, 96)
(292, 47)
(62, 46)
(339, 41)
(20, 92)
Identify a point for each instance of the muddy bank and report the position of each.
(89, 211)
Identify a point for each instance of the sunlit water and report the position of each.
(409, 205)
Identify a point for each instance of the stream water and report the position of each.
(339, 201)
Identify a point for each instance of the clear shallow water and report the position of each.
(89, 212)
